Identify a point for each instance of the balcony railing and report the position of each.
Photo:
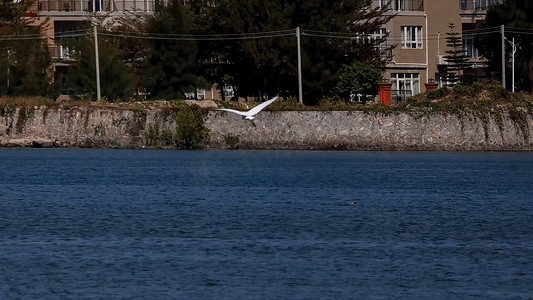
(403, 5)
(84, 6)
(478, 4)
(400, 95)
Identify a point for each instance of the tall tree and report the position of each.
(516, 14)
(135, 50)
(171, 66)
(116, 77)
(324, 56)
(23, 51)
(251, 66)
(264, 66)
(458, 61)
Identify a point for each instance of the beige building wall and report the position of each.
(420, 63)
(440, 14)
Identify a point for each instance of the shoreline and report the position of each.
(111, 128)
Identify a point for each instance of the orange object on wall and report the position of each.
(385, 95)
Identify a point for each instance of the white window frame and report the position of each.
(470, 48)
(406, 82)
(412, 37)
(398, 5)
(394, 5)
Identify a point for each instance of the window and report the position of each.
(412, 37)
(405, 84)
(398, 5)
(381, 36)
(94, 6)
(402, 5)
(64, 52)
(478, 4)
(470, 49)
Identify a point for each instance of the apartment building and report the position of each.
(70, 15)
(418, 32)
(66, 16)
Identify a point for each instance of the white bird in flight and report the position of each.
(250, 115)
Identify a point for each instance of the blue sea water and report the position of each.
(143, 224)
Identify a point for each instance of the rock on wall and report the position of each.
(118, 128)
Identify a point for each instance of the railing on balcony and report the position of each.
(60, 53)
(96, 5)
(400, 95)
(403, 5)
(478, 4)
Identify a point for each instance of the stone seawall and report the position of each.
(120, 128)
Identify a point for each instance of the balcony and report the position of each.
(403, 5)
(87, 6)
(478, 4)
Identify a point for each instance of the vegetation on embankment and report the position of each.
(481, 100)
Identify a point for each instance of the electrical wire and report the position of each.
(260, 35)
(200, 37)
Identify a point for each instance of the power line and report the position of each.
(259, 35)
(201, 37)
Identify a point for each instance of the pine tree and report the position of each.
(171, 67)
(457, 59)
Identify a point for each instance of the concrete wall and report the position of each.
(113, 128)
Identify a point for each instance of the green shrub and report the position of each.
(357, 78)
(438, 93)
(191, 131)
(166, 137)
(152, 136)
(232, 141)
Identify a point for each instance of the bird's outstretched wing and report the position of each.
(242, 113)
(260, 107)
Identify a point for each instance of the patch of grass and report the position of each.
(27, 101)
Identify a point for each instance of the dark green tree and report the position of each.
(518, 15)
(323, 56)
(135, 50)
(458, 61)
(116, 77)
(250, 66)
(171, 67)
(24, 55)
(266, 66)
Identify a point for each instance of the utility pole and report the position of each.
(7, 57)
(512, 57)
(97, 63)
(503, 55)
(300, 93)
(514, 51)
